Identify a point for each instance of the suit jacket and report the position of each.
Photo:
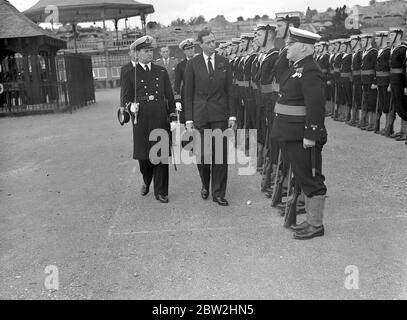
(208, 98)
(302, 85)
(172, 63)
(152, 114)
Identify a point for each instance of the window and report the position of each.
(98, 61)
(99, 73)
(116, 72)
(119, 60)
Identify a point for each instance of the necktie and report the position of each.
(210, 67)
(147, 68)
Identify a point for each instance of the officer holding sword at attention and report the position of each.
(151, 106)
(299, 127)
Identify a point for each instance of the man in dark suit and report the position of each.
(188, 46)
(209, 106)
(299, 127)
(152, 108)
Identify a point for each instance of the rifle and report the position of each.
(278, 184)
(290, 173)
(290, 217)
(377, 119)
(392, 116)
(266, 161)
(335, 108)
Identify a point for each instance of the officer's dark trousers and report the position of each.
(384, 99)
(158, 172)
(219, 170)
(399, 100)
(300, 160)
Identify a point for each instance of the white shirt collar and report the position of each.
(133, 63)
(206, 57)
(144, 65)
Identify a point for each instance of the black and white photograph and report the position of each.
(222, 152)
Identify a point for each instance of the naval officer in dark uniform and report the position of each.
(152, 109)
(188, 46)
(299, 126)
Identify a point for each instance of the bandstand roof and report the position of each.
(75, 11)
(14, 24)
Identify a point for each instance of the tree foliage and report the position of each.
(178, 22)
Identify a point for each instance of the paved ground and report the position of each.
(69, 197)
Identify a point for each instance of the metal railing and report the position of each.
(73, 89)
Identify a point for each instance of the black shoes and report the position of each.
(204, 193)
(161, 198)
(221, 201)
(298, 227)
(309, 232)
(145, 189)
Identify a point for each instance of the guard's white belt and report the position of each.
(290, 110)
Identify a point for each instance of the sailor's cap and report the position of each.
(145, 42)
(355, 37)
(396, 30)
(288, 16)
(247, 36)
(366, 35)
(303, 36)
(381, 33)
(235, 40)
(187, 44)
(265, 26)
(345, 40)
